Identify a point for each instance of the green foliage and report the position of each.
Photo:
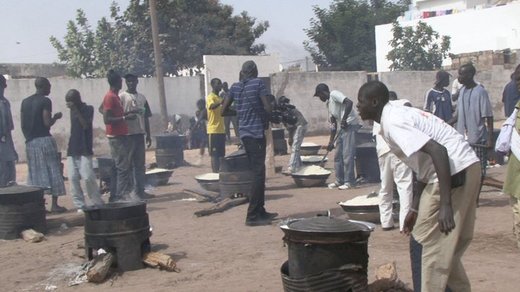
(343, 36)
(421, 48)
(188, 29)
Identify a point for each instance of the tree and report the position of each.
(78, 51)
(421, 48)
(343, 36)
(188, 30)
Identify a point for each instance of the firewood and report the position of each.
(161, 261)
(491, 182)
(100, 267)
(222, 206)
(30, 235)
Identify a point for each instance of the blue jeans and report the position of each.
(119, 149)
(295, 161)
(137, 159)
(344, 159)
(81, 167)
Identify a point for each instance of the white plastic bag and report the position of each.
(503, 144)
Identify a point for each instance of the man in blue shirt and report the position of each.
(438, 98)
(253, 110)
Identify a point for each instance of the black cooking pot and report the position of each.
(116, 211)
(20, 194)
(235, 162)
(322, 243)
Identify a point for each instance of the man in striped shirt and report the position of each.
(253, 110)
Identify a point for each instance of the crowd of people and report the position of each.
(440, 149)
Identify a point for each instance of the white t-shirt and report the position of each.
(381, 146)
(130, 102)
(407, 130)
(337, 108)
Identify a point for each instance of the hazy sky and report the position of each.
(26, 25)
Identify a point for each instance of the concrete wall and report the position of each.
(495, 28)
(299, 88)
(227, 68)
(33, 70)
(181, 95)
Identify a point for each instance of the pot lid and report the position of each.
(325, 224)
(19, 189)
(239, 152)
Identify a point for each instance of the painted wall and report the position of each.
(227, 68)
(181, 95)
(495, 28)
(299, 88)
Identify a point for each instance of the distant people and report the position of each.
(441, 219)
(41, 149)
(138, 132)
(511, 93)
(475, 115)
(340, 111)
(438, 98)
(392, 169)
(198, 129)
(253, 110)
(296, 125)
(79, 152)
(215, 128)
(229, 120)
(512, 181)
(115, 119)
(8, 155)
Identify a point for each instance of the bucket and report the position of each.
(169, 152)
(122, 228)
(21, 208)
(367, 164)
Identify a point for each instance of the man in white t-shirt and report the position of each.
(442, 217)
(392, 169)
(341, 110)
(138, 132)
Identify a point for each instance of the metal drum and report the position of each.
(169, 151)
(325, 249)
(367, 164)
(279, 142)
(122, 228)
(235, 176)
(21, 208)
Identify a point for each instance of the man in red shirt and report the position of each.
(115, 118)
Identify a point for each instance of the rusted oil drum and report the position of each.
(21, 208)
(279, 142)
(122, 228)
(235, 176)
(325, 249)
(367, 164)
(169, 151)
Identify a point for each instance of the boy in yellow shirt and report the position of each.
(215, 128)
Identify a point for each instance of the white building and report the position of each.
(473, 25)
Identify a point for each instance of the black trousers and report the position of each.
(255, 150)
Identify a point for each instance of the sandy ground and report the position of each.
(220, 253)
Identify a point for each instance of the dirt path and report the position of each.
(219, 253)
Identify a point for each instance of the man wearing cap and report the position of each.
(135, 102)
(438, 98)
(340, 111)
(253, 110)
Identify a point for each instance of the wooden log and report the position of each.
(206, 196)
(491, 182)
(100, 267)
(222, 206)
(161, 261)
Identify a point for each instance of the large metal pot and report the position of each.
(319, 244)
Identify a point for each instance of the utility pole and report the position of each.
(158, 63)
